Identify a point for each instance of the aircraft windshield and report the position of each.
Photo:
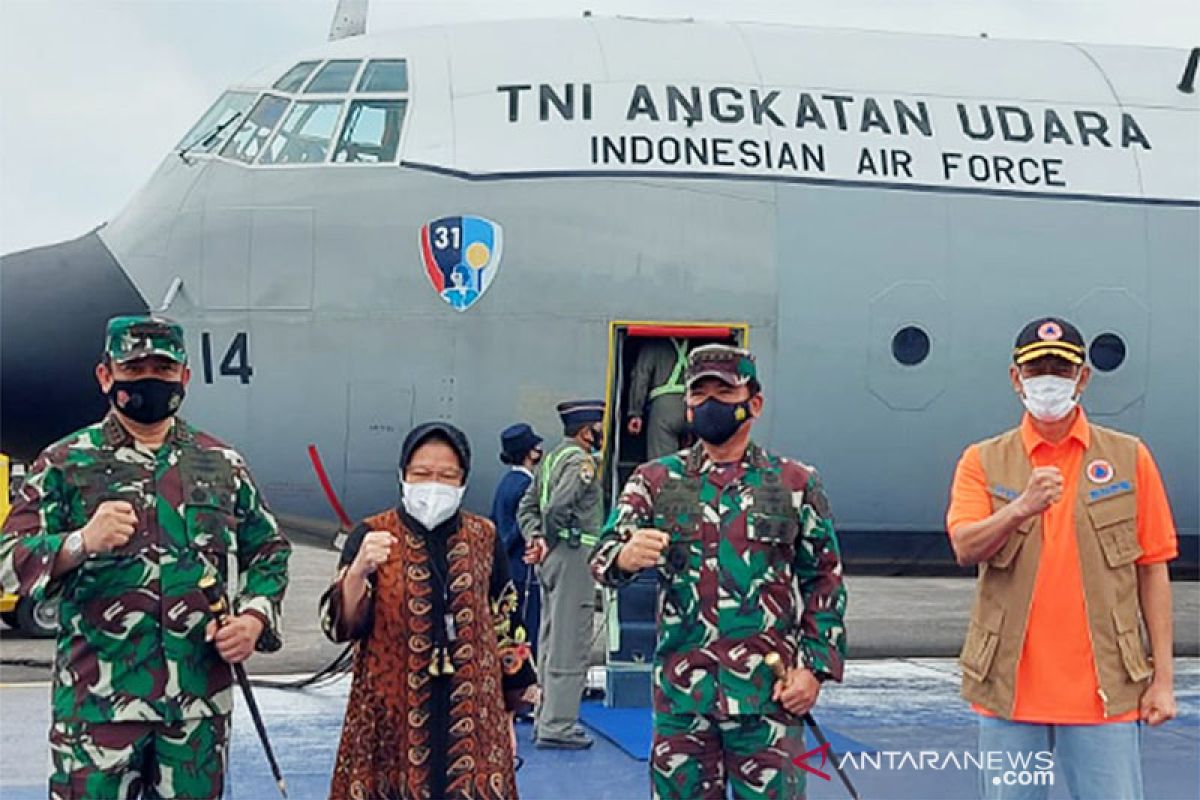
(247, 143)
(336, 76)
(343, 111)
(384, 76)
(371, 134)
(305, 134)
(294, 78)
(225, 109)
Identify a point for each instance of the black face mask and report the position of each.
(716, 422)
(597, 440)
(148, 400)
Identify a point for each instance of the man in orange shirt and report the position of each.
(1070, 527)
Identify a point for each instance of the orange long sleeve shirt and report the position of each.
(1056, 675)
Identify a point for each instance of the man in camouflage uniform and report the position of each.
(560, 515)
(748, 564)
(121, 520)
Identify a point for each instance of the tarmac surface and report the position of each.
(885, 617)
(900, 696)
(893, 707)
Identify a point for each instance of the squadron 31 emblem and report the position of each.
(461, 256)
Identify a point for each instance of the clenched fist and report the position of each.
(113, 522)
(235, 639)
(642, 550)
(1158, 703)
(376, 548)
(1045, 488)
(635, 426)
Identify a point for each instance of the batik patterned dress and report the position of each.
(441, 663)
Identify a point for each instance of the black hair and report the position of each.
(443, 432)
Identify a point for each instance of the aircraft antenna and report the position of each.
(349, 19)
(1187, 84)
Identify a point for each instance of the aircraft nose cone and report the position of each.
(54, 303)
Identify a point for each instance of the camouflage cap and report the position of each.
(142, 335)
(733, 365)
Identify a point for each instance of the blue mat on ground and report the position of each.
(630, 730)
(627, 728)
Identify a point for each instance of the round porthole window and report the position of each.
(1107, 352)
(910, 346)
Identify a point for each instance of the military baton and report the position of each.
(220, 609)
(775, 663)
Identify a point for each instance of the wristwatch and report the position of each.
(74, 546)
(816, 671)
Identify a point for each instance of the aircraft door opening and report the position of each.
(645, 383)
(645, 368)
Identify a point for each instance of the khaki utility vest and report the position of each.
(1106, 530)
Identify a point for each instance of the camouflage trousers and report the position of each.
(120, 760)
(694, 755)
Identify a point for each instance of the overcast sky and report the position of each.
(93, 93)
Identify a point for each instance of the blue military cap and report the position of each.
(516, 441)
(575, 413)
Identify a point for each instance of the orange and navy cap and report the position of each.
(1049, 336)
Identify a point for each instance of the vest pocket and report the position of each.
(1007, 554)
(1129, 641)
(775, 529)
(979, 649)
(211, 528)
(1115, 523)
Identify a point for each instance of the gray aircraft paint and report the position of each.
(320, 265)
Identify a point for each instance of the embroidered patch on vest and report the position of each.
(1107, 491)
(1099, 471)
(1005, 493)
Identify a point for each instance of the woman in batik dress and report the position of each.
(441, 663)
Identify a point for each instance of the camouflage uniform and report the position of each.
(133, 676)
(752, 568)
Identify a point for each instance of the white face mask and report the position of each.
(1049, 398)
(431, 503)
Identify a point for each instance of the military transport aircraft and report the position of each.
(474, 221)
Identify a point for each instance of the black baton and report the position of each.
(219, 606)
(775, 663)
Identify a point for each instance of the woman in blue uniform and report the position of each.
(520, 448)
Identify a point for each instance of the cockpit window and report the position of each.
(294, 78)
(247, 143)
(335, 76)
(217, 123)
(305, 134)
(371, 134)
(384, 76)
